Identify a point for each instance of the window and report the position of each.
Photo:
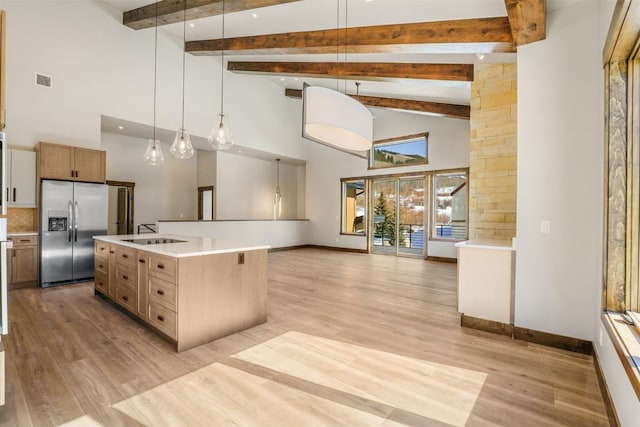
(403, 151)
(449, 206)
(354, 207)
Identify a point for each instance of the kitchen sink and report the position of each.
(153, 241)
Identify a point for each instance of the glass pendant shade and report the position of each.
(220, 137)
(181, 147)
(153, 156)
(277, 204)
(277, 198)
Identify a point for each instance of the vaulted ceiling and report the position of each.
(416, 55)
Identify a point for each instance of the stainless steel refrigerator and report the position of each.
(71, 213)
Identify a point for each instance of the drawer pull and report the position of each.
(161, 266)
(160, 318)
(100, 266)
(25, 240)
(112, 252)
(101, 284)
(125, 277)
(141, 261)
(160, 292)
(125, 298)
(125, 256)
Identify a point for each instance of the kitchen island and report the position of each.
(190, 289)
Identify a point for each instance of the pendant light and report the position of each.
(333, 118)
(181, 147)
(277, 199)
(220, 137)
(153, 156)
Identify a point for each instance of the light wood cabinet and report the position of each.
(190, 300)
(55, 161)
(21, 178)
(23, 262)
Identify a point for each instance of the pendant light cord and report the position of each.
(184, 48)
(155, 76)
(222, 68)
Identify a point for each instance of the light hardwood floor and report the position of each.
(71, 355)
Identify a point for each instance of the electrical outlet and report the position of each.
(545, 227)
(241, 258)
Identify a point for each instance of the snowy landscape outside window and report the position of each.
(450, 206)
(402, 151)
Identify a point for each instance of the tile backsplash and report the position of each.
(20, 220)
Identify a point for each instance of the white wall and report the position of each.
(560, 179)
(165, 192)
(254, 183)
(560, 158)
(448, 148)
(277, 234)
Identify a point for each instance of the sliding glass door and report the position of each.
(397, 216)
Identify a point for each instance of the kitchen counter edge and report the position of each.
(194, 246)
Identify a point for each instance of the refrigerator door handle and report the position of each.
(70, 225)
(75, 222)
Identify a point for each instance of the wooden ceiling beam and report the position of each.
(172, 11)
(480, 35)
(358, 70)
(457, 111)
(528, 20)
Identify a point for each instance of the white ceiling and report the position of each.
(324, 14)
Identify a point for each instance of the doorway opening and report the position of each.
(205, 203)
(120, 207)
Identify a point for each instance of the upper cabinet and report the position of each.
(69, 163)
(21, 178)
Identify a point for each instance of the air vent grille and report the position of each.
(43, 80)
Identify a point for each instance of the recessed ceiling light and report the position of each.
(192, 25)
(281, 79)
(295, 78)
(255, 15)
(480, 56)
(120, 127)
(239, 151)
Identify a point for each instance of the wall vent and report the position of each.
(43, 80)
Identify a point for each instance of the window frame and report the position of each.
(365, 189)
(398, 141)
(433, 215)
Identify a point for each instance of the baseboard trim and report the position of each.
(604, 390)
(287, 248)
(442, 259)
(486, 325)
(335, 248)
(576, 345)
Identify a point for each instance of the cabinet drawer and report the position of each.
(101, 263)
(102, 248)
(101, 283)
(125, 256)
(127, 275)
(127, 297)
(164, 265)
(162, 292)
(24, 240)
(163, 319)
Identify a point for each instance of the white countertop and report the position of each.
(501, 245)
(192, 246)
